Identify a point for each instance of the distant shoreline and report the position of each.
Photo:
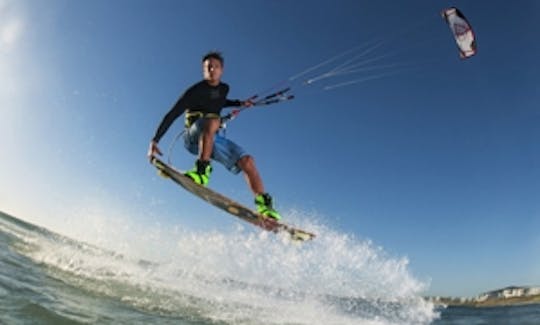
(457, 302)
(509, 296)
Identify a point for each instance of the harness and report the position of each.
(192, 117)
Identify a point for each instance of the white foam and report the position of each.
(239, 275)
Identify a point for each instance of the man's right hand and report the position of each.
(153, 150)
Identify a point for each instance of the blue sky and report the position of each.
(439, 163)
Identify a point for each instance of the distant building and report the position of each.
(512, 292)
(483, 297)
(508, 292)
(502, 296)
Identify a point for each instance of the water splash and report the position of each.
(238, 276)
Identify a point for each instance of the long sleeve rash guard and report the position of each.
(201, 97)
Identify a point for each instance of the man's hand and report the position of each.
(153, 150)
(247, 103)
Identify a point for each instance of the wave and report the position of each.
(236, 276)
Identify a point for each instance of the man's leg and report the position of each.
(206, 140)
(247, 165)
(201, 173)
(263, 200)
(234, 159)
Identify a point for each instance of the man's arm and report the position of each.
(171, 116)
(233, 103)
(239, 103)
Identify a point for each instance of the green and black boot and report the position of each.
(201, 173)
(264, 206)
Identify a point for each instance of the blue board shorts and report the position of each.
(225, 151)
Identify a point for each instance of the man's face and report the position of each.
(212, 70)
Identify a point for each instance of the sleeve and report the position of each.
(232, 103)
(171, 116)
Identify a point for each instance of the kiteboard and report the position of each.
(228, 205)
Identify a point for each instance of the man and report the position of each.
(202, 104)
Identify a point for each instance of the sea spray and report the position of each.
(238, 275)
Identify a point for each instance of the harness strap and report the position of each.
(192, 117)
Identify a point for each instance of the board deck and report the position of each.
(228, 205)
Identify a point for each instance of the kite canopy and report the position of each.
(462, 31)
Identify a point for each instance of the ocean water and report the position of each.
(140, 275)
(511, 315)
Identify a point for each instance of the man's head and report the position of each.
(213, 67)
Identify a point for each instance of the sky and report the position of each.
(439, 162)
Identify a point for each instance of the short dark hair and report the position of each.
(213, 55)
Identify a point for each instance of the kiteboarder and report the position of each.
(202, 104)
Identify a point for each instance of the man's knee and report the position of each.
(246, 163)
(211, 125)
